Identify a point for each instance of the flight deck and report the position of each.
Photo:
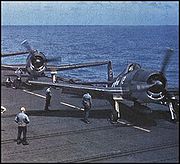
(60, 135)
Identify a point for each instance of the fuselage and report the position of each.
(141, 85)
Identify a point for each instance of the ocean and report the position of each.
(122, 45)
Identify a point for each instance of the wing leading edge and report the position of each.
(74, 66)
(85, 88)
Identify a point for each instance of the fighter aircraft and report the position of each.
(136, 84)
(36, 64)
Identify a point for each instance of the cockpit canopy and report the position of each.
(131, 67)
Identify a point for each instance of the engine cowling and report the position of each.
(157, 91)
(36, 64)
(150, 85)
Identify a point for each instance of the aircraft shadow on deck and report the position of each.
(127, 114)
(101, 114)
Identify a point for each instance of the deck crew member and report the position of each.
(87, 103)
(48, 98)
(22, 119)
(8, 82)
(17, 82)
(19, 72)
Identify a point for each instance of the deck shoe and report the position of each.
(87, 121)
(18, 141)
(25, 143)
(113, 121)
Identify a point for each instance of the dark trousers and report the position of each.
(17, 83)
(86, 113)
(47, 105)
(22, 129)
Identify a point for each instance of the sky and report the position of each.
(89, 12)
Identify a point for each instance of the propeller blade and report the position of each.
(166, 59)
(27, 45)
(55, 59)
(157, 85)
(142, 87)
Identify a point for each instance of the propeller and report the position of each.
(26, 44)
(169, 99)
(166, 59)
